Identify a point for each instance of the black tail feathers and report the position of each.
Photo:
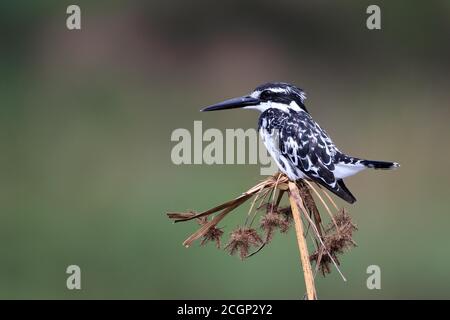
(386, 165)
(339, 189)
(344, 193)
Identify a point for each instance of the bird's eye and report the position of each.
(265, 94)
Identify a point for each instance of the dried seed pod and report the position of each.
(337, 239)
(272, 220)
(241, 240)
(213, 234)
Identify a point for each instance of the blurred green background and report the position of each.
(86, 118)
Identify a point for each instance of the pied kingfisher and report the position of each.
(299, 146)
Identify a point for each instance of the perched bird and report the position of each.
(299, 146)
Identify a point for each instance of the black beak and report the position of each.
(233, 104)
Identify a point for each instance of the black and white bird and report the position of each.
(299, 146)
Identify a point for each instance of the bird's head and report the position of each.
(277, 95)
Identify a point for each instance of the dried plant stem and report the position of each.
(323, 248)
(323, 202)
(329, 198)
(303, 211)
(294, 197)
(253, 204)
(200, 232)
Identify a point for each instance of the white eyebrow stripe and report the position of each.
(278, 90)
(255, 94)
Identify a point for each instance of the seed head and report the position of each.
(274, 219)
(241, 240)
(337, 239)
(213, 234)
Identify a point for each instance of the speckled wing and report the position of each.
(310, 150)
